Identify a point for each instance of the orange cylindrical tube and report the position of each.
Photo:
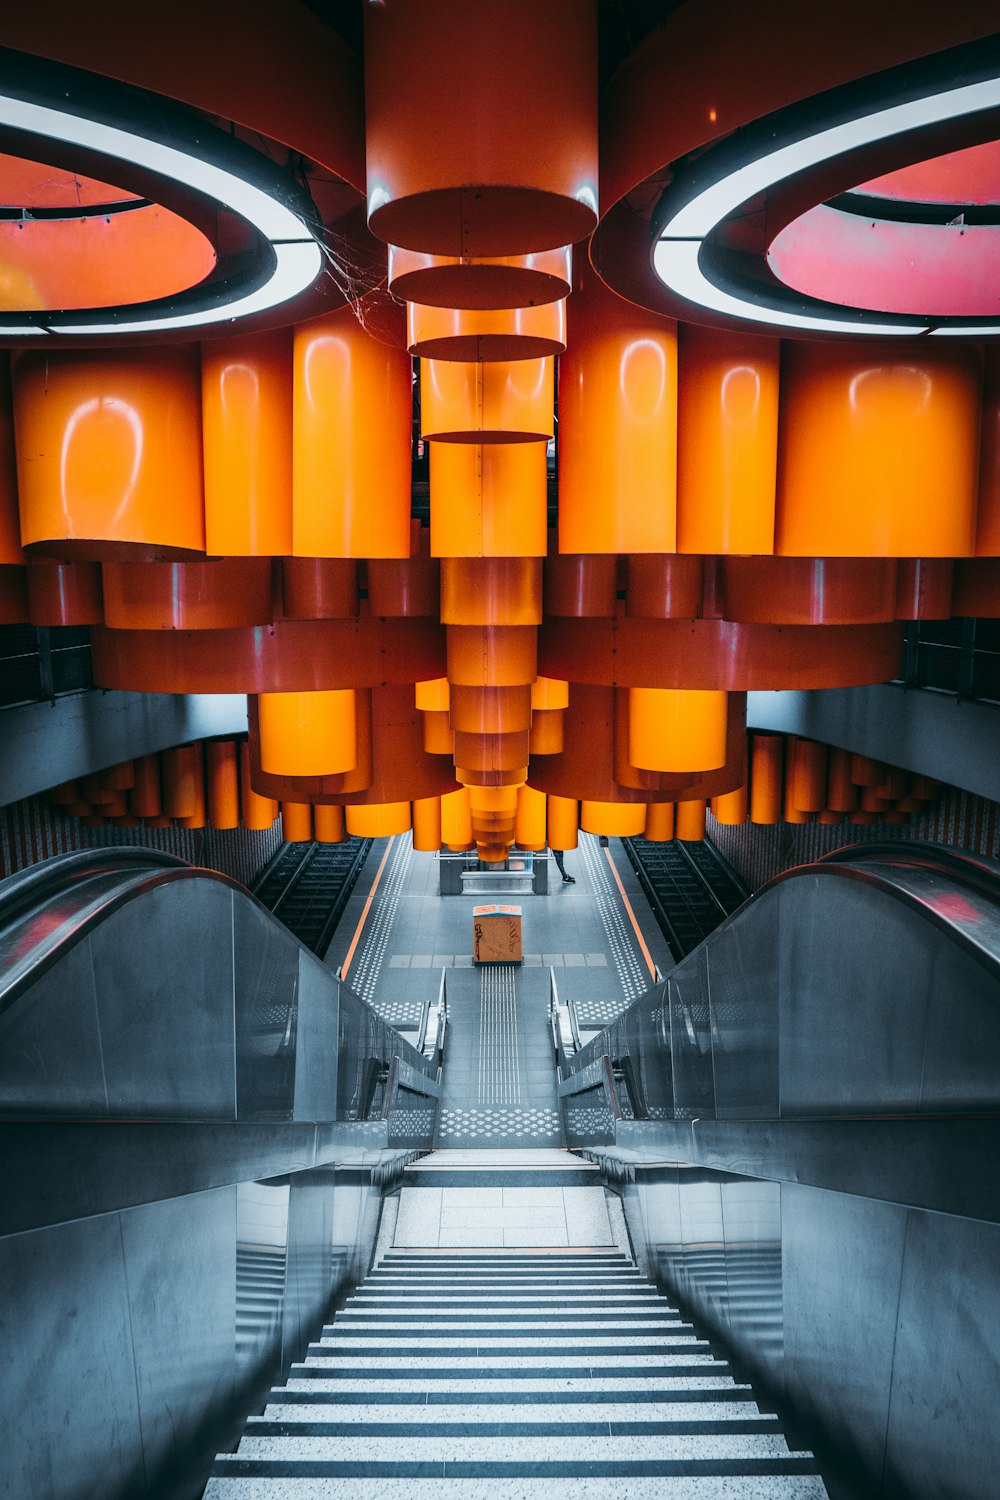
(296, 822)
(123, 776)
(509, 164)
(672, 729)
(224, 594)
(328, 823)
(870, 801)
(64, 593)
(427, 824)
(924, 588)
(109, 452)
(308, 734)
(432, 696)
(492, 655)
(829, 817)
(924, 787)
(548, 726)
(146, 799)
(439, 737)
(246, 393)
(766, 776)
(807, 774)
(456, 819)
(10, 523)
(530, 821)
(488, 500)
(893, 784)
(463, 288)
(867, 772)
(689, 821)
(988, 507)
(199, 817)
(180, 781)
(727, 441)
(618, 378)
(500, 402)
(491, 710)
(664, 586)
(562, 822)
(351, 441)
(549, 693)
(789, 812)
(581, 587)
(223, 783)
(319, 588)
(379, 820)
(499, 333)
(730, 808)
(841, 796)
(491, 591)
(878, 450)
(659, 822)
(256, 812)
(406, 587)
(492, 752)
(613, 819)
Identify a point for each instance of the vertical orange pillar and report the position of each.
(308, 734)
(562, 822)
(180, 781)
(296, 822)
(427, 824)
(730, 808)
(256, 812)
(659, 822)
(690, 820)
(246, 394)
(328, 823)
(146, 799)
(766, 775)
(223, 784)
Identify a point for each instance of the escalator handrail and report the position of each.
(33, 886)
(963, 865)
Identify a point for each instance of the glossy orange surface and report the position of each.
(581, 586)
(109, 452)
(492, 752)
(490, 710)
(727, 441)
(492, 655)
(689, 820)
(351, 440)
(808, 590)
(507, 401)
(222, 766)
(659, 826)
(409, 587)
(427, 824)
(664, 586)
(246, 393)
(433, 696)
(562, 816)
(64, 593)
(181, 772)
(730, 809)
(296, 822)
(256, 812)
(329, 825)
(491, 590)
(477, 283)
(10, 522)
(488, 501)
(923, 588)
(841, 795)
(456, 819)
(547, 731)
(806, 774)
(220, 595)
(486, 334)
(671, 730)
(308, 734)
(878, 451)
(613, 819)
(549, 693)
(439, 737)
(498, 156)
(617, 378)
(379, 820)
(767, 761)
(319, 588)
(145, 800)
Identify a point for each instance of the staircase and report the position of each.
(520, 1372)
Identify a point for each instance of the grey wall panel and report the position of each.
(751, 1222)
(308, 1263)
(266, 990)
(316, 1042)
(163, 973)
(691, 1040)
(841, 1264)
(962, 1042)
(180, 1268)
(944, 1438)
(742, 983)
(50, 1052)
(67, 1385)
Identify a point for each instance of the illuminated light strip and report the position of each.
(365, 910)
(676, 253)
(631, 915)
(298, 258)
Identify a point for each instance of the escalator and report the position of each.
(690, 888)
(307, 886)
(803, 1121)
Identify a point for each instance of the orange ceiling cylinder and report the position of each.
(109, 459)
(767, 759)
(870, 801)
(867, 772)
(256, 812)
(427, 824)
(319, 588)
(490, 710)
(246, 404)
(675, 730)
(13, 595)
(530, 821)
(96, 789)
(64, 593)
(180, 777)
(351, 440)
(199, 818)
(613, 819)
(549, 693)
(308, 734)
(492, 854)
(123, 775)
(536, 332)
(222, 764)
(806, 775)
(659, 828)
(988, 510)
(924, 588)
(493, 802)
(808, 590)
(329, 825)
(407, 587)
(496, 402)
(488, 500)
(689, 820)
(497, 158)
(296, 822)
(548, 735)
(893, 786)
(562, 822)
(439, 737)
(664, 586)
(433, 696)
(730, 808)
(10, 522)
(225, 594)
(478, 283)
(841, 796)
(145, 800)
(491, 591)
(492, 655)
(878, 451)
(976, 589)
(378, 820)
(456, 819)
(491, 752)
(789, 812)
(727, 441)
(617, 425)
(581, 587)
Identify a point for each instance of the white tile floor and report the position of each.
(502, 1216)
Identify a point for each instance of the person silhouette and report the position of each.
(557, 855)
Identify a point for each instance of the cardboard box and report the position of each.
(496, 935)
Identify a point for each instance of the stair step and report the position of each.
(491, 1426)
(529, 1393)
(555, 1414)
(618, 1450)
(533, 1487)
(742, 1466)
(512, 1368)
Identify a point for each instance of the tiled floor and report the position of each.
(501, 1217)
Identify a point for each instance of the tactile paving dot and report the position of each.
(499, 1122)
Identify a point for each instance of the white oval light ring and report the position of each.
(702, 198)
(235, 178)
